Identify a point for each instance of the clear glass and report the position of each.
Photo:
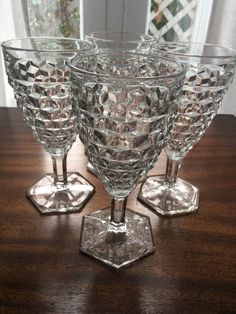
(57, 18)
(125, 101)
(37, 71)
(119, 41)
(210, 71)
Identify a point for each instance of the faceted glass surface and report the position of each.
(124, 122)
(124, 41)
(38, 72)
(125, 103)
(42, 91)
(210, 71)
(204, 88)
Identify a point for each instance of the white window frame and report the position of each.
(121, 15)
(201, 21)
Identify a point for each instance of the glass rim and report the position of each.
(231, 53)
(5, 44)
(150, 39)
(181, 67)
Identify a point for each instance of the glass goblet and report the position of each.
(38, 72)
(210, 71)
(107, 40)
(125, 101)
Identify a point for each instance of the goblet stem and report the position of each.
(118, 207)
(172, 168)
(60, 169)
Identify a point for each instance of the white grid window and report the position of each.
(172, 20)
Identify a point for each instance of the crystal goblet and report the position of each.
(125, 101)
(38, 72)
(107, 40)
(210, 71)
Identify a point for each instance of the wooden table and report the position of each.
(192, 271)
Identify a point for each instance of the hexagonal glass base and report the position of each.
(60, 199)
(116, 247)
(178, 199)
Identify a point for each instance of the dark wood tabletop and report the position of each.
(193, 269)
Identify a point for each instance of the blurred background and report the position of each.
(211, 21)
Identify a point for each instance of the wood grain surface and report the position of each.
(193, 269)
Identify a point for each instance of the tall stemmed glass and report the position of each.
(38, 72)
(210, 71)
(107, 40)
(125, 101)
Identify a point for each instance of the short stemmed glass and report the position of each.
(38, 72)
(125, 101)
(210, 71)
(107, 40)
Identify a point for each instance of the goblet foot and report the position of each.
(120, 246)
(51, 198)
(178, 199)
